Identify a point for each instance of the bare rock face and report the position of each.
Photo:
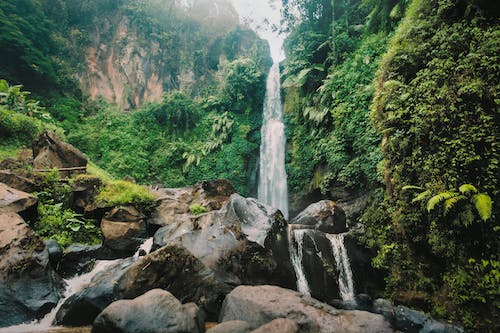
(175, 202)
(49, 151)
(258, 305)
(324, 215)
(157, 311)
(123, 229)
(280, 325)
(232, 326)
(15, 201)
(29, 287)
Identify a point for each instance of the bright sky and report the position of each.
(262, 16)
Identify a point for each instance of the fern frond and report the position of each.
(411, 187)
(467, 188)
(421, 196)
(449, 203)
(438, 198)
(483, 204)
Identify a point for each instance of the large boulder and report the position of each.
(29, 287)
(157, 311)
(175, 203)
(19, 181)
(85, 190)
(280, 325)
(123, 229)
(244, 238)
(15, 201)
(232, 326)
(78, 259)
(258, 305)
(49, 152)
(324, 215)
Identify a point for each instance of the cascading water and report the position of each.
(346, 284)
(297, 237)
(272, 188)
(73, 285)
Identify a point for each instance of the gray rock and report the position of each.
(232, 326)
(55, 251)
(280, 325)
(259, 305)
(384, 307)
(409, 320)
(123, 229)
(324, 215)
(157, 311)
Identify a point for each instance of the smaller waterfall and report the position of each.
(297, 237)
(145, 247)
(346, 284)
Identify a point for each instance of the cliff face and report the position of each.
(135, 55)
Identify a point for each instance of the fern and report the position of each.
(467, 188)
(411, 187)
(421, 196)
(483, 204)
(450, 203)
(438, 198)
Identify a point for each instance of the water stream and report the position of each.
(346, 283)
(295, 240)
(272, 187)
(73, 285)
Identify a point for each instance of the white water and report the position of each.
(346, 284)
(73, 285)
(272, 188)
(296, 237)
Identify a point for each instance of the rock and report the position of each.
(324, 215)
(78, 259)
(123, 229)
(85, 189)
(280, 325)
(432, 326)
(244, 238)
(260, 304)
(384, 307)
(175, 203)
(15, 201)
(18, 181)
(232, 326)
(157, 311)
(83, 307)
(30, 288)
(49, 151)
(55, 252)
(409, 320)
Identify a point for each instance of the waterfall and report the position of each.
(346, 284)
(73, 285)
(272, 188)
(297, 237)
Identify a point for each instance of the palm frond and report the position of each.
(411, 187)
(467, 188)
(450, 203)
(421, 196)
(438, 198)
(483, 204)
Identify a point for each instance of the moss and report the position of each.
(121, 192)
(198, 209)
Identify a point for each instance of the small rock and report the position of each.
(324, 215)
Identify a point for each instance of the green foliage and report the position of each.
(198, 209)
(121, 192)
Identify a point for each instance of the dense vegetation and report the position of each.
(414, 108)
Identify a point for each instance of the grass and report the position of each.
(122, 192)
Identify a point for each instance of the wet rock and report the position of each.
(155, 311)
(29, 286)
(78, 259)
(49, 151)
(55, 252)
(15, 201)
(259, 305)
(324, 215)
(413, 321)
(232, 326)
(85, 189)
(123, 229)
(174, 203)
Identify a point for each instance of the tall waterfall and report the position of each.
(346, 284)
(272, 188)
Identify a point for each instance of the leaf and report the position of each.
(467, 188)
(421, 196)
(75, 227)
(483, 204)
(438, 198)
(411, 187)
(449, 203)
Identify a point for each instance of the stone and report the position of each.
(157, 311)
(280, 325)
(49, 152)
(15, 201)
(55, 252)
(18, 181)
(78, 259)
(123, 229)
(259, 305)
(30, 287)
(409, 320)
(232, 326)
(384, 307)
(85, 190)
(324, 215)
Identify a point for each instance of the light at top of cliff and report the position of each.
(264, 17)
